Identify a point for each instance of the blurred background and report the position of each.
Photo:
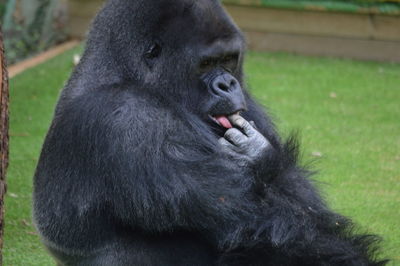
(362, 29)
(329, 69)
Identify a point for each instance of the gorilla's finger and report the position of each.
(236, 120)
(235, 136)
(226, 144)
(228, 147)
(253, 124)
(242, 123)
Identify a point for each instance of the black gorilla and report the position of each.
(147, 161)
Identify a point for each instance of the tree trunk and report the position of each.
(3, 137)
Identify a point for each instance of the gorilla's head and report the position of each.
(186, 50)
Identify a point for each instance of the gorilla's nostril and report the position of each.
(223, 86)
(232, 83)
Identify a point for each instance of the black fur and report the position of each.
(131, 172)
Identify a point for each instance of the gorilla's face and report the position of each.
(195, 52)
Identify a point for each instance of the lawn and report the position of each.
(346, 112)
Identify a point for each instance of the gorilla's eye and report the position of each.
(230, 62)
(153, 52)
(207, 65)
(228, 58)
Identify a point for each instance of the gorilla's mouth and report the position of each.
(223, 120)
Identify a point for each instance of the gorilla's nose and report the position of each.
(229, 92)
(225, 83)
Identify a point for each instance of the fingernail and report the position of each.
(237, 119)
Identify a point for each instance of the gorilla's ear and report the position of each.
(153, 52)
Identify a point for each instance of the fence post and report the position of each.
(3, 137)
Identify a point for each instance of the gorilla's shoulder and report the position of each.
(115, 106)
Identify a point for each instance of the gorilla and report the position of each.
(158, 155)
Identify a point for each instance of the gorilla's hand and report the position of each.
(247, 145)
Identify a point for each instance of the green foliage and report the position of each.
(347, 112)
(2, 9)
(391, 7)
(31, 26)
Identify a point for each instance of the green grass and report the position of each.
(346, 111)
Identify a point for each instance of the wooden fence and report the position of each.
(371, 32)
